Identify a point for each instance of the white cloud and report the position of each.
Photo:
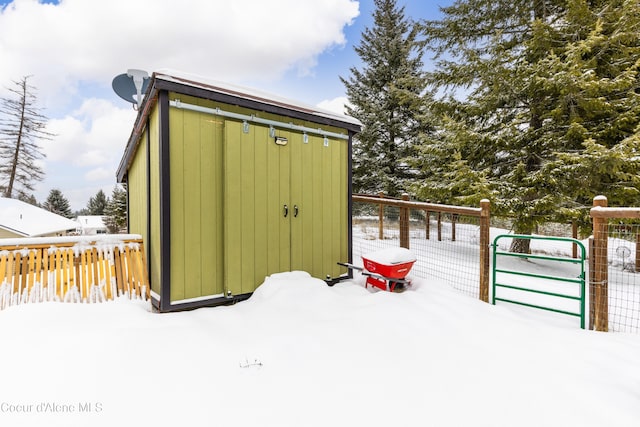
(95, 134)
(75, 48)
(99, 174)
(86, 151)
(80, 41)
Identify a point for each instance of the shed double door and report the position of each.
(285, 205)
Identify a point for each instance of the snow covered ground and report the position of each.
(300, 353)
(456, 263)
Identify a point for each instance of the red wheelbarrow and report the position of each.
(386, 269)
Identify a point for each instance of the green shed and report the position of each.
(228, 185)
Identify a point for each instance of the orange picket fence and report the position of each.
(72, 269)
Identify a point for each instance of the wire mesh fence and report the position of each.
(448, 248)
(615, 270)
(446, 244)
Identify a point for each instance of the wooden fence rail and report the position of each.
(73, 269)
(601, 214)
(483, 213)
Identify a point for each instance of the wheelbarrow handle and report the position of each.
(351, 266)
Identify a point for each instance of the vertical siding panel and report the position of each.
(274, 207)
(192, 208)
(247, 209)
(336, 208)
(218, 218)
(155, 261)
(139, 222)
(177, 129)
(232, 206)
(310, 212)
(284, 172)
(137, 187)
(318, 146)
(328, 202)
(261, 206)
(345, 213)
(210, 281)
(297, 242)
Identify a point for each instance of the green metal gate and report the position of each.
(524, 289)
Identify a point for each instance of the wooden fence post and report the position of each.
(381, 218)
(600, 265)
(637, 269)
(427, 225)
(574, 234)
(592, 283)
(485, 223)
(404, 223)
(454, 218)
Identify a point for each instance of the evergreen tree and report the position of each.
(21, 127)
(388, 97)
(97, 204)
(58, 204)
(545, 80)
(31, 199)
(116, 211)
(598, 108)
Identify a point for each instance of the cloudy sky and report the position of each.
(74, 48)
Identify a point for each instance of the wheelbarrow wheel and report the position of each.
(396, 286)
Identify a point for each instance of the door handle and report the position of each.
(285, 210)
(295, 211)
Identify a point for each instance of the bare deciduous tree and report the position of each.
(22, 126)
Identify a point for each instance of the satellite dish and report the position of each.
(131, 86)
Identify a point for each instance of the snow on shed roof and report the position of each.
(173, 80)
(249, 93)
(30, 221)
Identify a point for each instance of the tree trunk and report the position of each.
(521, 246)
(16, 156)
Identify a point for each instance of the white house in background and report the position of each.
(20, 219)
(91, 224)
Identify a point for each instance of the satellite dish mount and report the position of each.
(138, 77)
(131, 86)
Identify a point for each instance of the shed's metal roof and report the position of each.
(198, 86)
(250, 94)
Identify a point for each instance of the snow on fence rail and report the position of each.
(72, 269)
